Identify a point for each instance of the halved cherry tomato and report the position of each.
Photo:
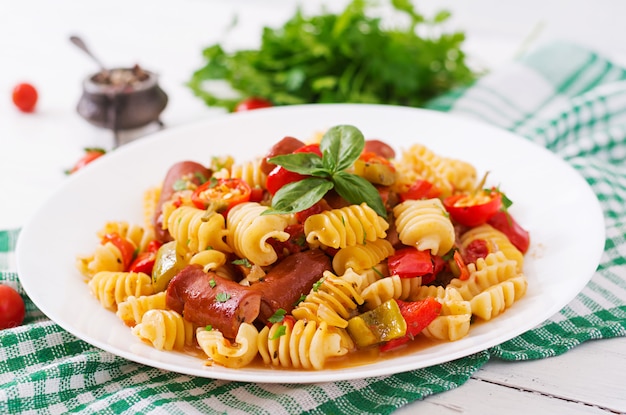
(222, 194)
(504, 222)
(144, 262)
(126, 248)
(252, 103)
(473, 209)
(280, 176)
(410, 262)
(421, 189)
(25, 97)
(90, 155)
(12, 308)
(418, 315)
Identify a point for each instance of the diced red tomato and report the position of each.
(410, 262)
(144, 262)
(90, 155)
(318, 207)
(421, 189)
(295, 243)
(223, 194)
(126, 248)
(473, 209)
(418, 315)
(504, 222)
(256, 194)
(461, 272)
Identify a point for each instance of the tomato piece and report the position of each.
(90, 155)
(460, 270)
(253, 103)
(318, 207)
(473, 209)
(418, 315)
(222, 194)
(504, 222)
(256, 194)
(410, 262)
(280, 176)
(12, 308)
(126, 248)
(25, 97)
(421, 189)
(145, 260)
(375, 169)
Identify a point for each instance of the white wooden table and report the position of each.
(167, 37)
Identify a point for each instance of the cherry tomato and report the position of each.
(25, 97)
(126, 248)
(420, 189)
(473, 209)
(12, 309)
(222, 194)
(252, 103)
(90, 155)
(280, 176)
(504, 222)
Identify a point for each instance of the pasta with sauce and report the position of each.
(218, 267)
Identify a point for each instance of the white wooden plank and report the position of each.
(484, 398)
(594, 373)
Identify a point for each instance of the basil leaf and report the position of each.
(357, 190)
(297, 196)
(341, 146)
(303, 163)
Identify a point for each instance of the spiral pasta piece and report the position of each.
(105, 257)
(347, 226)
(332, 301)
(197, 230)
(131, 310)
(249, 231)
(165, 330)
(210, 259)
(306, 345)
(485, 273)
(425, 225)
(454, 320)
(496, 299)
(150, 201)
(392, 287)
(362, 257)
(227, 354)
(496, 241)
(113, 288)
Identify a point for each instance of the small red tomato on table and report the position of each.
(90, 155)
(12, 309)
(253, 103)
(25, 97)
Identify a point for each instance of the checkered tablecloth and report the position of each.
(564, 97)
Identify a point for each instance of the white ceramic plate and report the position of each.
(549, 198)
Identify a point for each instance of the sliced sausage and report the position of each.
(287, 281)
(208, 299)
(196, 173)
(379, 147)
(285, 146)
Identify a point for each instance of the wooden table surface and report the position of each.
(168, 37)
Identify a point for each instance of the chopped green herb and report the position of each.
(180, 185)
(301, 299)
(278, 316)
(376, 270)
(222, 297)
(212, 283)
(201, 178)
(242, 261)
(280, 331)
(318, 284)
(208, 327)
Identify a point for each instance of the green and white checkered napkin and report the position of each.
(566, 98)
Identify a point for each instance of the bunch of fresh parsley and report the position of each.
(349, 57)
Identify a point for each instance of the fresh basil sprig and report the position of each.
(341, 146)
